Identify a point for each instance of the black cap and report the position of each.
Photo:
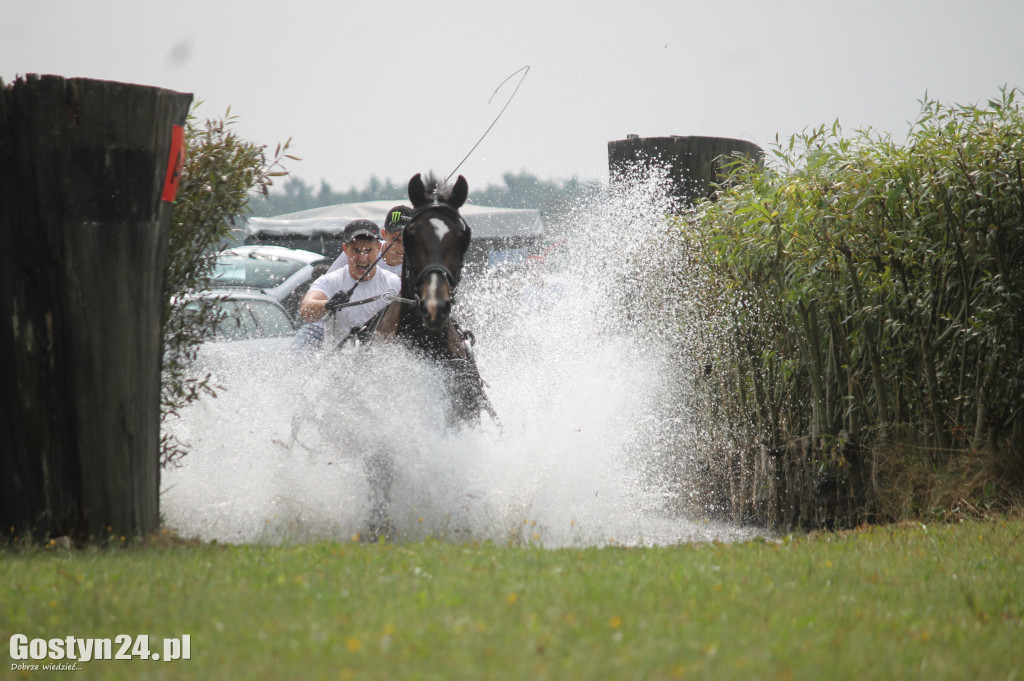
(398, 217)
(360, 228)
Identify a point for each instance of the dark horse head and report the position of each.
(435, 240)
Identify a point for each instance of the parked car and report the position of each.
(281, 273)
(249, 314)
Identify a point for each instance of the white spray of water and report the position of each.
(587, 452)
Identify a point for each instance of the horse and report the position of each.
(435, 239)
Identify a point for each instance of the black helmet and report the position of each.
(360, 229)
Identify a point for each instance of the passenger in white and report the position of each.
(392, 246)
(328, 298)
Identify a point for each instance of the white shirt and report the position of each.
(338, 325)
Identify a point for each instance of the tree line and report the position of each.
(555, 198)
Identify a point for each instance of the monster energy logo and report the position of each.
(396, 215)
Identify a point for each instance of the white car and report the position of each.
(284, 274)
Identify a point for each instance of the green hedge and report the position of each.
(876, 309)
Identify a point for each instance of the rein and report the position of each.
(387, 297)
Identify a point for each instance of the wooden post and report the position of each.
(694, 163)
(84, 165)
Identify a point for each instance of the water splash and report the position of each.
(595, 392)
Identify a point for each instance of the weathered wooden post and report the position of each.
(88, 171)
(694, 163)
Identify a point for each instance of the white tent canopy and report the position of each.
(486, 222)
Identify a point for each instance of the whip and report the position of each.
(524, 70)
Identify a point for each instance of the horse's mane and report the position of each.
(435, 186)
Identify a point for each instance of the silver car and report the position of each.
(284, 274)
(248, 315)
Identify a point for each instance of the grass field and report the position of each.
(908, 602)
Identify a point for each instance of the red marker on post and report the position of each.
(175, 163)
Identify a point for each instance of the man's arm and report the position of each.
(315, 304)
(312, 309)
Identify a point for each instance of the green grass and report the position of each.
(911, 602)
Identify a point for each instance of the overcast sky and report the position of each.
(394, 88)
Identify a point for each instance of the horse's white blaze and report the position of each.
(433, 298)
(440, 228)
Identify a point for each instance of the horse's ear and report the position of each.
(460, 192)
(417, 192)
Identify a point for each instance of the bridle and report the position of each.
(416, 279)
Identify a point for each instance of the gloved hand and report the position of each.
(337, 300)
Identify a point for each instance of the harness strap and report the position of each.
(388, 297)
(364, 301)
(436, 204)
(453, 279)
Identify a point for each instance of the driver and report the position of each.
(311, 335)
(327, 297)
